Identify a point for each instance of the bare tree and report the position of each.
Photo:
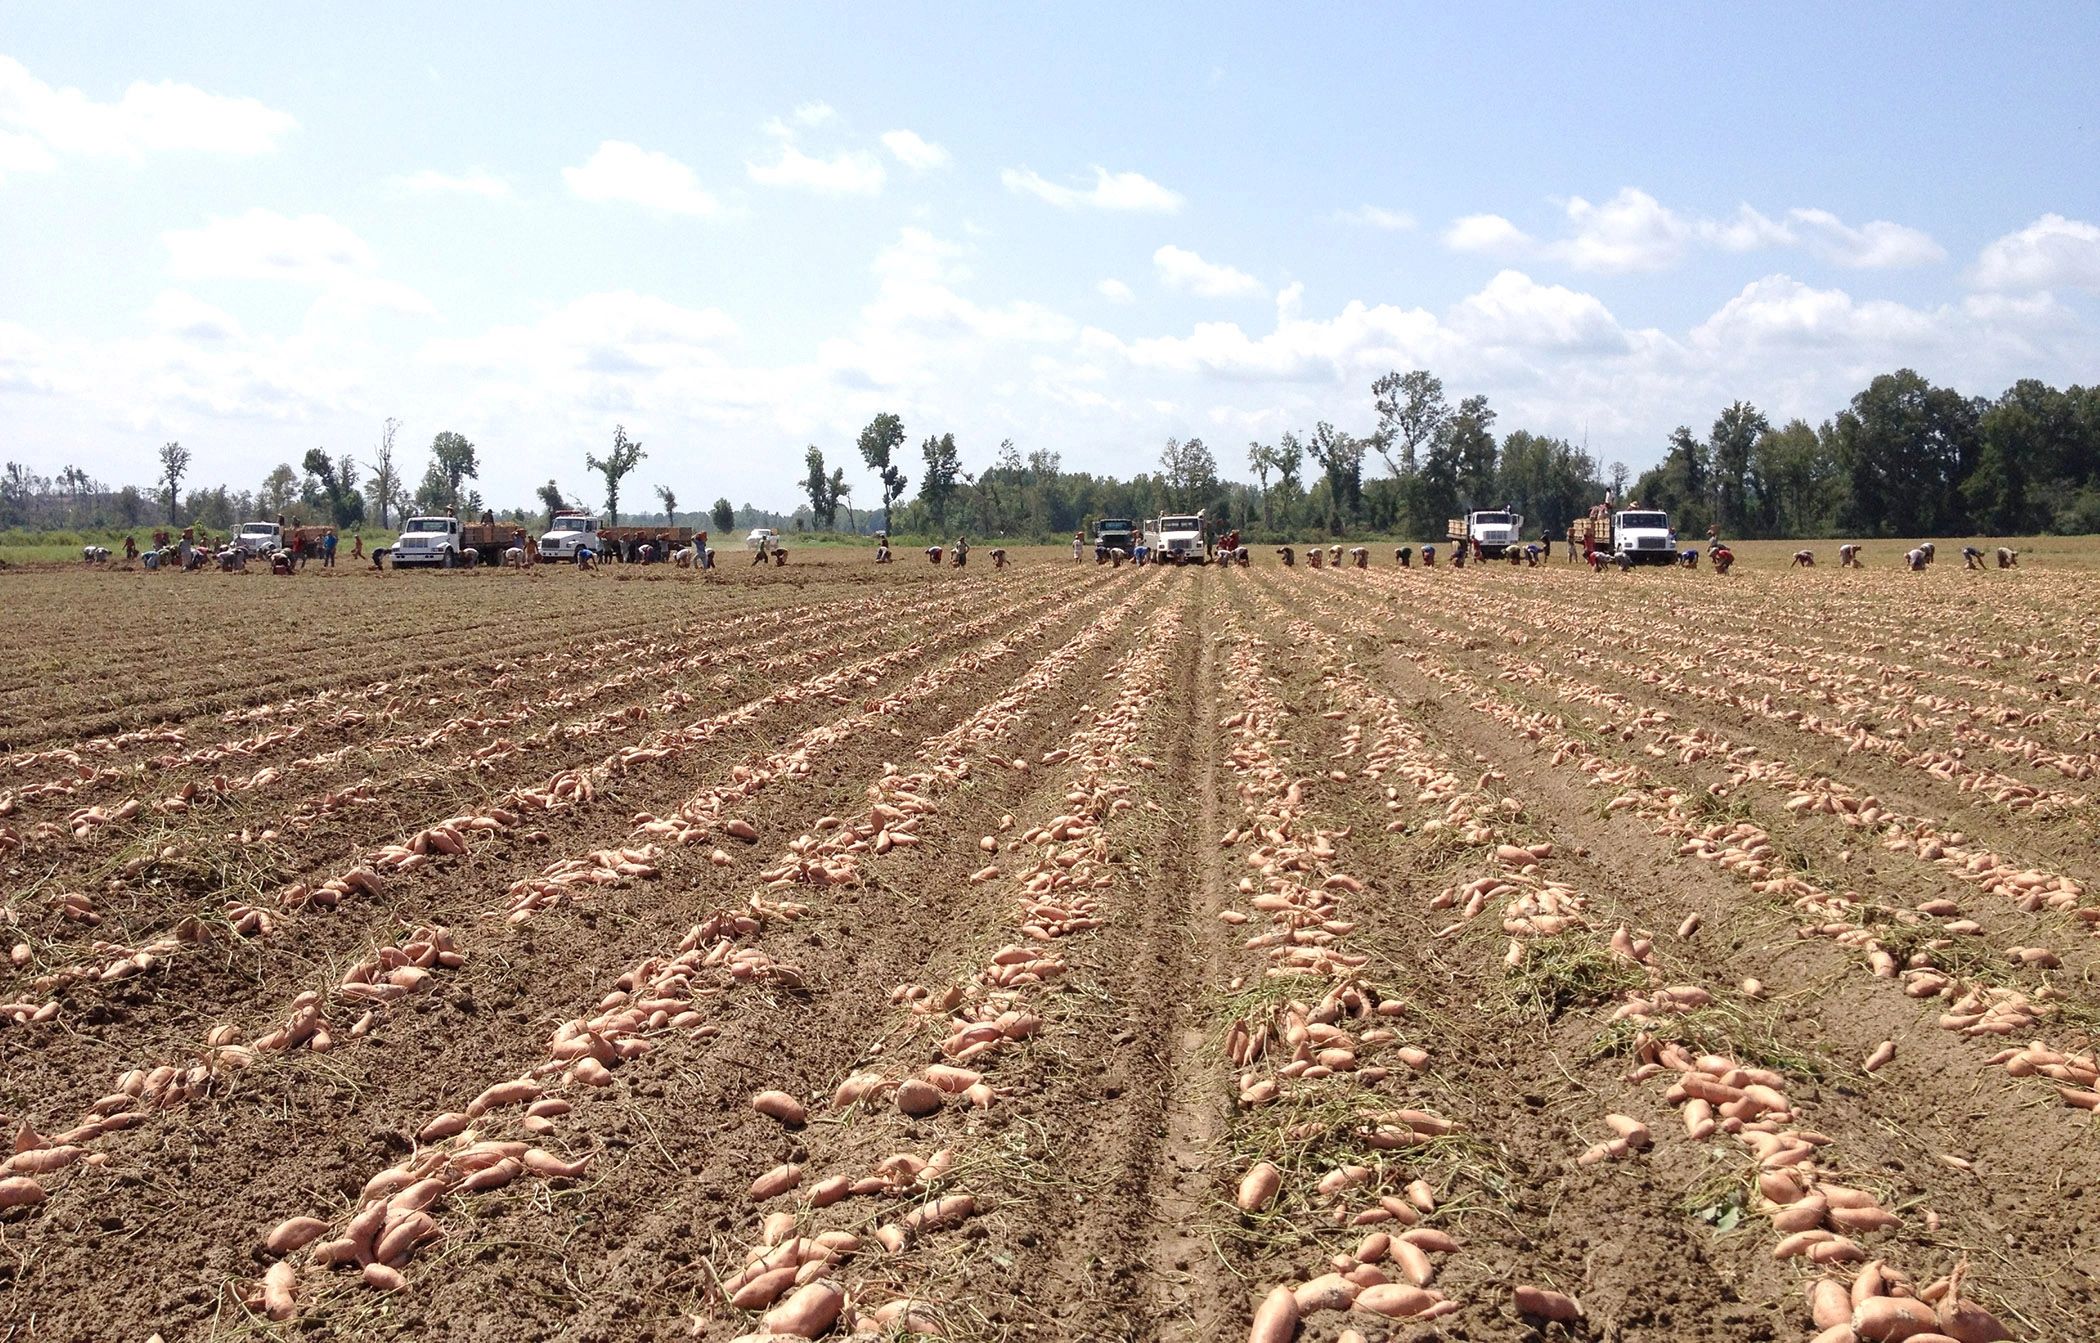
(383, 487)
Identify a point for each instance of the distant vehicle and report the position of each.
(434, 541)
(762, 538)
(1494, 531)
(1642, 535)
(573, 531)
(1116, 534)
(1176, 538)
(260, 538)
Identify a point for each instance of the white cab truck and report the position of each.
(436, 541)
(1492, 530)
(259, 538)
(762, 538)
(569, 533)
(1176, 538)
(1642, 535)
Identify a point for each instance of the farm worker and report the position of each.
(1290, 557)
(1429, 557)
(1927, 547)
(1803, 559)
(357, 545)
(882, 553)
(780, 556)
(488, 518)
(1078, 545)
(699, 543)
(1848, 556)
(1689, 557)
(1458, 555)
(764, 549)
(131, 548)
(962, 551)
(1531, 553)
(586, 558)
(1406, 556)
(1971, 558)
(1722, 557)
(998, 557)
(2008, 558)
(1140, 552)
(933, 556)
(328, 551)
(1915, 558)
(1546, 538)
(707, 557)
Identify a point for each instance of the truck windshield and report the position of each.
(1492, 519)
(1112, 525)
(427, 525)
(1658, 521)
(259, 529)
(1179, 525)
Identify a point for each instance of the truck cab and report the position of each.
(761, 538)
(1116, 534)
(428, 540)
(570, 533)
(1176, 538)
(259, 538)
(1644, 536)
(1493, 531)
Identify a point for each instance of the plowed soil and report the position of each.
(1045, 911)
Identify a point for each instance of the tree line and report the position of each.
(1903, 458)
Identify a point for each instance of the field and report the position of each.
(1053, 953)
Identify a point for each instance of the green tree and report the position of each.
(1904, 446)
(1734, 447)
(550, 495)
(278, 490)
(878, 446)
(1412, 414)
(670, 502)
(626, 454)
(937, 486)
(820, 489)
(174, 465)
(453, 461)
(1341, 460)
(1188, 472)
(1473, 451)
(723, 515)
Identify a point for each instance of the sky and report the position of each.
(741, 230)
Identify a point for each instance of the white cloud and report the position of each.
(914, 151)
(848, 173)
(473, 182)
(814, 114)
(1630, 232)
(311, 250)
(1183, 269)
(595, 337)
(1877, 244)
(192, 320)
(2051, 253)
(1487, 233)
(1779, 310)
(1115, 291)
(41, 124)
(1516, 311)
(1375, 216)
(627, 173)
(1111, 191)
(1635, 232)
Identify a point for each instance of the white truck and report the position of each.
(1176, 538)
(432, 540)
(569, 533)
(1492, 531)
(762, 538)
(259, 538)
(1641, 535)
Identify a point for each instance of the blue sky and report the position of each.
(741, 230)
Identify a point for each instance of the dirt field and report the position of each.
(1055, 953)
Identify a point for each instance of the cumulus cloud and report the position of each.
(40, 124)
(1115, 291)
(848, 173)
(1374, 216)
(1779, 310)
(312, 250)
(1183, 269)
(914, 151)
(1633, 231)
(625, 173)
(1110, 191)
(2051, 253)
(473, 182)
(1516, 311)
(597, 335)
